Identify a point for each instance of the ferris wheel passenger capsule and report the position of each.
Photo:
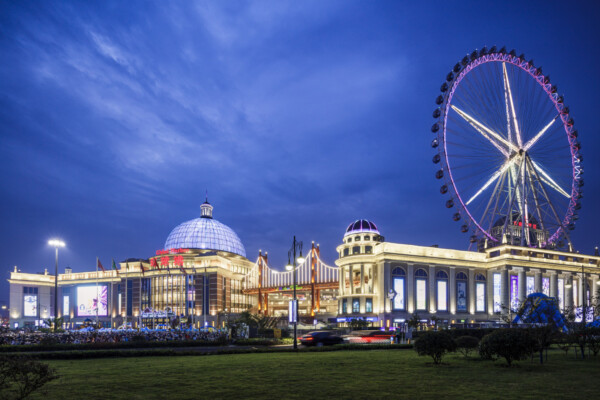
(444, 87)
(450, 203)
(575, 134)
(437, 113)
(474, 55)
(502, 50)
(450, 76)
(522, 56)
(439, 174)
(483, 51)
(436, 159)
(434, 143)
(465, 60)
(456, 217)
(464, 229)
(439, 100)
(473, 239)
(456, 68)
(444, 189)
(435, 128)
(512, 53)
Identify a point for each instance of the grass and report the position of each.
(339, 374)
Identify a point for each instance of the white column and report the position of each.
(568, 291)
(472, 293)
(410, 285)
(553, 284)
(505, 287)
(350, 279)
(580, 292)
(384, 285)
(489, 291)
(432, 290)
(522, 285)
(452, 290)
(594, 288)
(362, 279)
(537, 281)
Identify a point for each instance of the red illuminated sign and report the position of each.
(534, 226)
(171, 251)
(178, 261)
(153, 263)
(164, 261)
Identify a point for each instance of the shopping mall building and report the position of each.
(203, 276)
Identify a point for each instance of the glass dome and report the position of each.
(361, 225)
(205, 233)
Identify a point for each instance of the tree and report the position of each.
(466, 344)
(21, 376)
(358, 323)
(512, 344)
(435, 321)
(543, 336)
(51, 321)
(414, 321)
(435, 344)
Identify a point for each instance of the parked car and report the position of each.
(368, 337)
(320, 338)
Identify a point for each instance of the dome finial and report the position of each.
(206, 209)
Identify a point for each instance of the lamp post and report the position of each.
(293, 265)
(56, 243)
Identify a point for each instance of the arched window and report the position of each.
(441, 275)
(421, 273)
(421, 289)
(461, 292)
(398, 285)
(479, 293)
(442, 290)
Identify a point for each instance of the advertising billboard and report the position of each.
(92, 299)
(30, 308)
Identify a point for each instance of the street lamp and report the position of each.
(56, 243)
(296, 263)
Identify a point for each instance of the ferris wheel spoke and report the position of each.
(486, 132)
(537, 137)
(549, 181)
(509, 101)
(545, 193)
(495, 176)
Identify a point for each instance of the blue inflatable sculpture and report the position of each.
(541, 309)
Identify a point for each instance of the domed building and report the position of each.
(197, 277)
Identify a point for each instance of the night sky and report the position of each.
(297, 117)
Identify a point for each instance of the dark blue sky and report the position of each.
(298, 117)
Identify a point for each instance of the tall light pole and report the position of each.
(293, 266)
(56, 243)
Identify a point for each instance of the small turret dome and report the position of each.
(361, 225)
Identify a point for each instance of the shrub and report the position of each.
(511, 344)
(435, 345)
(21, 376)
(466, 344)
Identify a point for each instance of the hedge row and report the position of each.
(85, 354)
(110, 346)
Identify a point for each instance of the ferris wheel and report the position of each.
(508, 153)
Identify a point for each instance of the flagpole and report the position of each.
(97, 299)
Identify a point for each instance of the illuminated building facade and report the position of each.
(388, 282)
(198, 278)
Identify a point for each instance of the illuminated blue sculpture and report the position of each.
(541, 309)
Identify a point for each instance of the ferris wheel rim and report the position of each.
(552, 94)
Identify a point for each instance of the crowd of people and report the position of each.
(107, 336)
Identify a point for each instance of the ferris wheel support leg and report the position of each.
(512, 200)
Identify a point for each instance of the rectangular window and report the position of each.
(355, 305)
(561, 293)
(514, 292)
(530, 285)
(497, 295)
(369, 305)
(399, 297)
(546, 286)
(65, 305)
(461, 296)
(421, 294)
(480, 297)
(442, 295)
(30, 304)
(344, 306)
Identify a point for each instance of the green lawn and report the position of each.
(341, 374)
